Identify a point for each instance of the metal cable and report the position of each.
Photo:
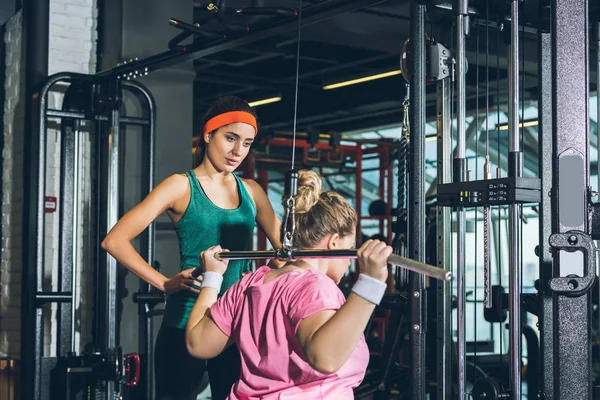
(476, 213)
(296, 84)
(288, 226)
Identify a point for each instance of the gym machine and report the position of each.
(101, 369)
(563, 302)
(566, 251)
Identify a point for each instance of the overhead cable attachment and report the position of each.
(288, 225)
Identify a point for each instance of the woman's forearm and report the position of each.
(333, 343)
(126, 255)
(194, 326)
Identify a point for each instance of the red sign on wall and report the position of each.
(50, 204)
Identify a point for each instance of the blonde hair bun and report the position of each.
(309, 190)
(319, 213)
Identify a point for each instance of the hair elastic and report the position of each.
(230, 118)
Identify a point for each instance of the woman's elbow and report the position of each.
(189, 344)
(194, 348)
(111, 242)
(191, 349)
(325, 365)
(107, 243)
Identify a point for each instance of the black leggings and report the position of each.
(223, 371)
(178, 375)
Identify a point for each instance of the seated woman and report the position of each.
(298, 337)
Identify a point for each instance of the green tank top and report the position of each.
(204, 225)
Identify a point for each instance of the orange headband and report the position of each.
(230, 118)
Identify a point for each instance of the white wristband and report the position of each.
(213, 280)
(369, 288)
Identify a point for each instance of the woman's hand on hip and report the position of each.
(183, 281)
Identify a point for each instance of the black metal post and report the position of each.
(145, 331)
(417, 294)
(66, 232)
(36, 21)
(596, 30)
(68, 260)
(2, 93)
(570, 91)
(460, 167)
(100, 210)
(99, 213)
(546, 301)
(444, 246)
(111, 323)
(515, 169)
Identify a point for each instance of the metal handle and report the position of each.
(131, 360)
(574, 241)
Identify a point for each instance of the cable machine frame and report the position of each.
(102, 103)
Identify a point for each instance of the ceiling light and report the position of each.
(363, 79)
(525, 124)
(265, 101)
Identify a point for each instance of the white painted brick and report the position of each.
(73, 57)
(66, 20)
(75, 10)
(12, 198)
(65, 66)
(66, 43)
(68, 31)
(89, 46)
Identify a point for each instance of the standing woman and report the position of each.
(208, 205)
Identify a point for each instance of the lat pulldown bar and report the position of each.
(411, 265)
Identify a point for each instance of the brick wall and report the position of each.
(12, 190)
(73, 35)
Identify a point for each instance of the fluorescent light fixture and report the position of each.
(429, 138)
(525, 124)
(265, 101)
(361, 80)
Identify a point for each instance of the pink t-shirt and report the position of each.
(263, 319)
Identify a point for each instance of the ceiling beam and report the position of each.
(273, 26)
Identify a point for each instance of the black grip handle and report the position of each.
(573, 241)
